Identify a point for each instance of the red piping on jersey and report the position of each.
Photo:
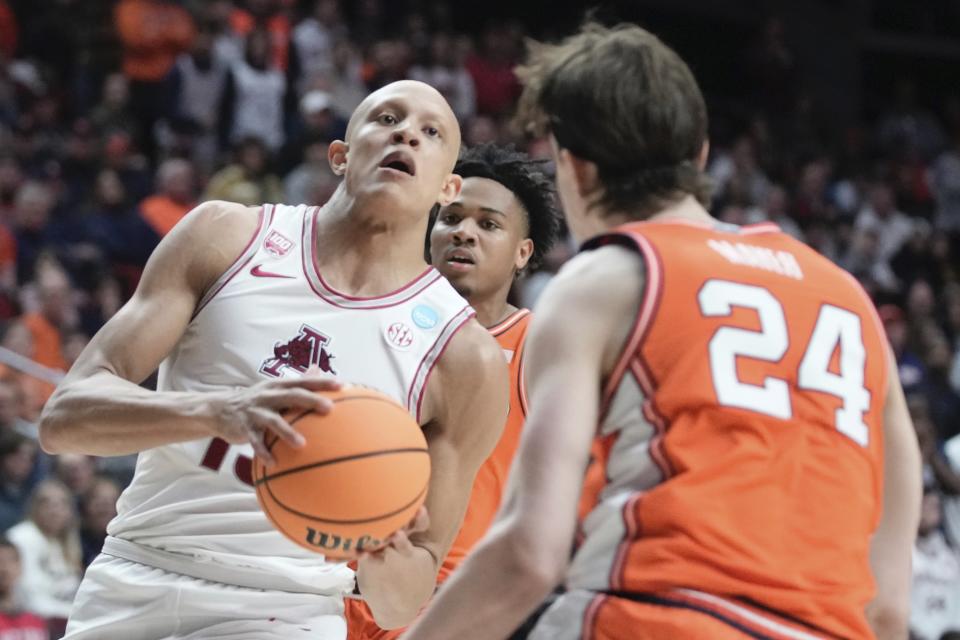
(241, 261)
(631, 528)
(590, 617)
(426, 380)
(760, 227)
(653, 291)
(329, 292)
(504, 325)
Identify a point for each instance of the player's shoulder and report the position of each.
(219, 216)
(595, 279)
(470, 351)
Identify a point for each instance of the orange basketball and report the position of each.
(361, 476)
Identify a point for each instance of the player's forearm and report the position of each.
(105, 415)
(489, 596)
(397, 585)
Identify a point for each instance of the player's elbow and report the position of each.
(393, 618)
(539, 561)
(889, 618)
(53, 425)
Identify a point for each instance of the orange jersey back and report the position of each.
(738, 463)
(491, 481)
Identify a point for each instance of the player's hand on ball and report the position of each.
(400, 540)
(245, 415)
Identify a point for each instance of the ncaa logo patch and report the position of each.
(424, 317)
(399, 336)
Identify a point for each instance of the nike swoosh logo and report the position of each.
(260, 273)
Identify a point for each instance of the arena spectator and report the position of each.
(15, 623)
(893, 228)
(314, 39)
(20, 471)
(255, 97)
(317, 121)
(49, 545)
(98, 508)
(249, 179)
(445, 71)
(492, 71)
(153, 33)
(174, 198)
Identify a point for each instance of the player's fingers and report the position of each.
(295, 398)
(421, 521)
(272, 421)
(400, 542)
(314, 382)
(260, 448)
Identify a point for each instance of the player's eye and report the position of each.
(449, 219)
(433, 132)
(489, 225)
(388, 119)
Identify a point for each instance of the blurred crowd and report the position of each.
(117, 117)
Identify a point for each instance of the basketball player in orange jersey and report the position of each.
(503, 221)
(751, 469)
(238, 306)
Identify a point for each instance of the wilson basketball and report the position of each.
(361, 476)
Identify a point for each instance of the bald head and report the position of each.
(414, 93)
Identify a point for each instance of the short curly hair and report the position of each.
(525, 178)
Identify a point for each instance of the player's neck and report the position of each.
(687, 208)
(492, 309)
(365, 255)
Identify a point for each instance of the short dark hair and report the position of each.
(525, 178)
(622, 99)
(6, 544)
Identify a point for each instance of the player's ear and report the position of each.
(524, 253)
(450, 189)
(585, 174)
(337, 156)
(704, 154)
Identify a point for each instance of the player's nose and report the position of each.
(403, 134)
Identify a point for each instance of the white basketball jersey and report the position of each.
(191, 507)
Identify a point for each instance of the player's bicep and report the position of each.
(579, 329)
(133, 343)
(471, 396)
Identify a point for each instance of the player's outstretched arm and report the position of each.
(466, 407)
(100, 409)
(579, 329)
(892, 544)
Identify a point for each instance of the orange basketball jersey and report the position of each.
(737, 467)
(490, 483)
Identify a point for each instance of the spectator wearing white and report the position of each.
(200, 78)
(893, 228)
(447, 74)
(314, 37)
(935, 596)
(49, 546)
(344, 80)
(254, 100)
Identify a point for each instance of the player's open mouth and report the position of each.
(399, 161)
(460, 259)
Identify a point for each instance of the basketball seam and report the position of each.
(382, 516)
(323, 463)
(307, 412)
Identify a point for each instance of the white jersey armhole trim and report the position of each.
(425, 368)
(253, 245)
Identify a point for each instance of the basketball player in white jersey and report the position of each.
(248, 311)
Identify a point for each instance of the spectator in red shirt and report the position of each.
(492, 72)
(15, 624)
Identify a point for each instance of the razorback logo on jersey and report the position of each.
(306, 349)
